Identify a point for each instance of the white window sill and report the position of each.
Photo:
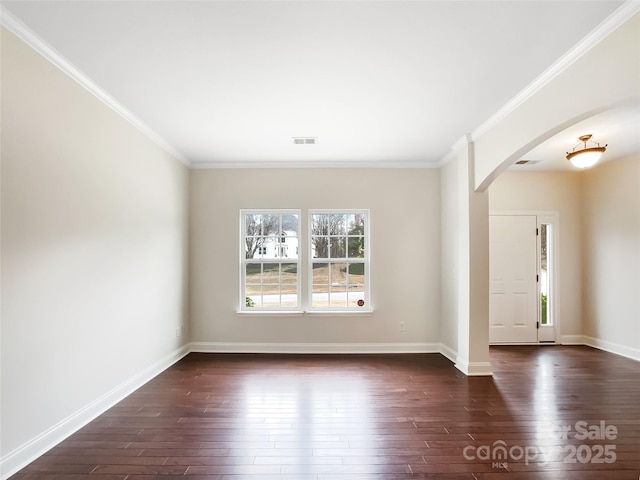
(271, 313)
(310, 313)
(339, 313)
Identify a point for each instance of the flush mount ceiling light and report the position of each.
(587, 156)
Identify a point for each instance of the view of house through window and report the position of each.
(336, 267)
(271, 263)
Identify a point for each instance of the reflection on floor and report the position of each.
(548, 413)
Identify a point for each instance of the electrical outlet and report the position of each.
(403, 327)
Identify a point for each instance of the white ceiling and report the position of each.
(389, 83)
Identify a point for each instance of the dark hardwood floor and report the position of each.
(548, 413)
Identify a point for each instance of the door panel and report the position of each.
(513, 308)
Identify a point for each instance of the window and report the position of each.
(337, 268)
(270, 269)
(546, 317)
(338, 260)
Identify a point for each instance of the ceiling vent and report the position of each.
(305, 140)
(527, 162)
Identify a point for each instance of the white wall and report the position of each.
(405, 249)
(449, 232)
(551, 192)
(611, 255)
(94, 253)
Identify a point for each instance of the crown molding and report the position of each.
(455, 149)
(608, 25)
(311, 164)
(24, 33)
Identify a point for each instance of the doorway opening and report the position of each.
(522, 277)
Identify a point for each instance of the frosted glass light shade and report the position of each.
(585, 158)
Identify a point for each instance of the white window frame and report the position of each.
(366, 308)
(278, 259)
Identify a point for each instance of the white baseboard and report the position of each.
(448, 352)
(611, 347)
(340, 348)
(474, 369)
(28, 452)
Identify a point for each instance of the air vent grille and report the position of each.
(305, 140)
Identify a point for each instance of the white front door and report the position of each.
(513, 291)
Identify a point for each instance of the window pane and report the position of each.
(337, 247)
(320, 247)
(290, 223)
(289, 284)
(355, 224)
(253, 296)
(253, 273)
(320, 273)
(271, 296)
(337, 225)
(289, 301)
(355, 293)
(319, 230)
(338, 296)
(253, 225)
(270, 224)
(356, 235)
(289, 272)
(355, 246)
(319, 224)
(271, 273)
(356, 273)
(253, 247)
(338, 274)
(286, 245)
(320, 296)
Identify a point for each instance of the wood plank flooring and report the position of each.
(383, 417)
